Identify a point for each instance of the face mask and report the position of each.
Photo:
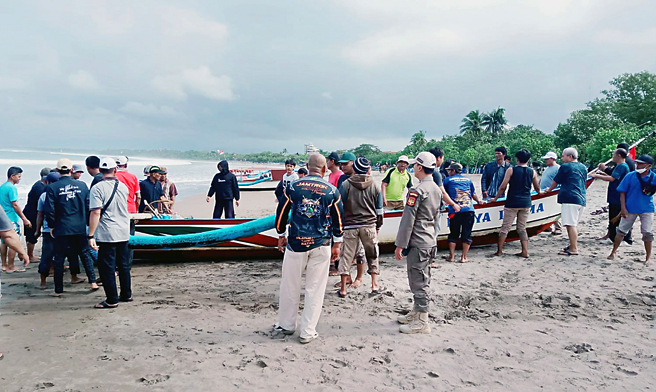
(640, 171)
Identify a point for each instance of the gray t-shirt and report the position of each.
(5, 223)
(114, 224)
(548, 176)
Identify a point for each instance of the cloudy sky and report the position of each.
(255, 75)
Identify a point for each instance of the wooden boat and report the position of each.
(545, 210)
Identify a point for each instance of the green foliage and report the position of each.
(582, 125)
(495, 121)
(472, 124)
(524, 136)
(633, 98)
(602, 145)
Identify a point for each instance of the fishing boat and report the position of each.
(216, 239)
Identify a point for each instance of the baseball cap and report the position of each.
(347, 156)
(455, 166)
(644, 158)
(45, 171)
(163, 170)
(334, 156)
(122, 160)
(550, 155)
(361, 165)
(52, 177)
(107, 163)
(155, 169)
(403, 158)
(424, 158)
(64, 164)
(78, 168)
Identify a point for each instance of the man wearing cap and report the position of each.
(394, 183)
(363, 217)
(316, 213)
(417, 238)
(131, 181)
(571, 177)
(620, 171)
(346, 164)
(547, 178)
(93, 162)
(9, 203)
(67, 203)
(77, 171)
(151, 189)
(109, 232)
(637, 200)
(48, 245)
(333, 165)
(30, 212)
(494, 172)
(169, 190)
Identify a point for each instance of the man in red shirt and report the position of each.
(131, 181)
(333, 166)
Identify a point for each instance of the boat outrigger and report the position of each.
(178, 239)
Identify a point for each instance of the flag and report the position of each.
(632, 153)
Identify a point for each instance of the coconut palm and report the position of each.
(472, 123)
(495, 121)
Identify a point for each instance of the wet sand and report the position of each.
(503, 324)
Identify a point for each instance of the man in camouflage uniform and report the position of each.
(417, 238)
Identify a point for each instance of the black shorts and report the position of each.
(30, 233)
(461, 227)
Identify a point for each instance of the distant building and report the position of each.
(310, 149)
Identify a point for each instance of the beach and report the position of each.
(498, 324)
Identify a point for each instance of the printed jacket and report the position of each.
(363, 202)
(316, 214)
(224, 184)
(67, 206)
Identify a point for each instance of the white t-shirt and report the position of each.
(287, 179)
(114, 225)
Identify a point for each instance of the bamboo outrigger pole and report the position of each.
(652, 132)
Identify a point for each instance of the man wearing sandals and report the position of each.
(637, 200)
(571, 177)
(109, 232)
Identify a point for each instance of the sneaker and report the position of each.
(278, 328)
(408, 318)
(419, 325)
(308, 340)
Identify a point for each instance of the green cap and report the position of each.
(347, 156)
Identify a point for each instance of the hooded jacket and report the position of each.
(67, 205)
(224, 184)
(363, 202)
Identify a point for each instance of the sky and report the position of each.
(254, 75)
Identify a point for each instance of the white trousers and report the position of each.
(315, 263)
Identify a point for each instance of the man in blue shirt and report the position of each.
(546, 179)
(9, 203)
(571, 177)
(151, 188)
(462, 191)
(636, 197)
(613, 196)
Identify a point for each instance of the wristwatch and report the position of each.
(90, 236)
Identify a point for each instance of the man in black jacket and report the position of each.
(224, 188)
(493, 173)
(67, 205)
(31, 234)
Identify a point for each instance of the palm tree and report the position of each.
(472, 123)
(419, 139)
(495, 121)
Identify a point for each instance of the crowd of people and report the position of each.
(326, 226)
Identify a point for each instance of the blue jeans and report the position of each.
(72, 245)
(114, 256)
(47, 253)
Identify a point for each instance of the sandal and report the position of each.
(105, 305)
(380, 290)
(339, 293)
(566, 252)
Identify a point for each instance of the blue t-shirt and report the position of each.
(41, 207)
(620, 171)
(636, 201)
(461, 190)
(8, 195)
(571, 177)
(548, 175)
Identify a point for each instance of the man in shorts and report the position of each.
(571, 177)
(637, 200)
(9, 203)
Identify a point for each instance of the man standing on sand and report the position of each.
(493, 173)
(394, 183)
(10, 238)
(93, 162)
(151, 189)
(547, 178)
(571, 176)
(109, 232)
(170, 191)
(363, 217)
(132, 182)
(518, 200)
(9, 203)
(30, 211)
(316, 217)
(346, 163)
(417, 239)
(333, 166)
(46, 263)
(77, 172)
(637, 200)
(225, 189)
(67, 203)
(613, 196)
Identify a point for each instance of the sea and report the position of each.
(190, 177)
